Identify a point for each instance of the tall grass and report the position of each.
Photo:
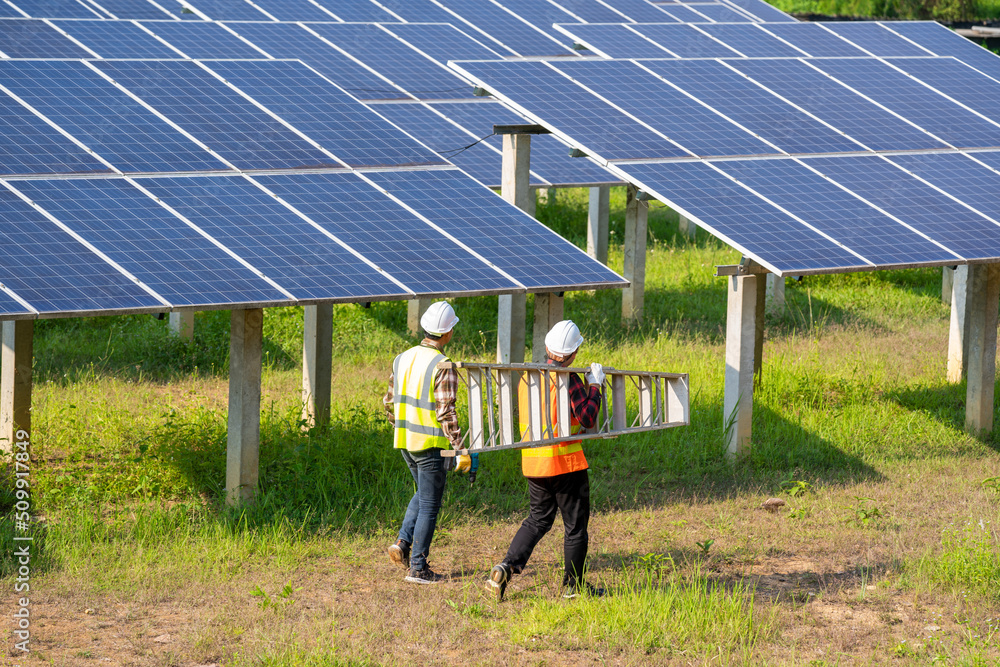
(967, 564)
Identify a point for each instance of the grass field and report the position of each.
(888, 551)
(940, 10)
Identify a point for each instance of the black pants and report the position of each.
(570, 493)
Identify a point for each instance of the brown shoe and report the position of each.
(399, 553)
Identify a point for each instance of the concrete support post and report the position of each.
(512, 310)
(775, 294)
(317, 364)
(15, 382)
(598, 223)
(687, 228)
(415, 308)
(182, 324)
(947, 279)
(758, 327)
(635, 256)
(982, 305)
(741, 343)
(958, 344)
(242, 457)
(548, 311)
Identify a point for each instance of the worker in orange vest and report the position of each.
(557, 474)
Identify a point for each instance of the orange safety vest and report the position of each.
(557, 459)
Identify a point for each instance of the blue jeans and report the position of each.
(427, 468)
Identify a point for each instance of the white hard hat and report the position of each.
(563, 338)
(439, 318)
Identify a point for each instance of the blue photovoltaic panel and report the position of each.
(591, 11)
(10, 306)
(286, 40)
(753, 107)
(960, 176)
(741, 218)
(640, 11)
(57, 9)
(104, 119)
(944, 42)
(482, 161)
(273, 239)
(762, 10)
(513, 241)
(549, 96)
(442, 42)
(540, 14)
(401, 64)
(685, 14)
(835, 104)
(847, 219)
(387, 234)
(875, 39)
(615, 41)
(203, 40)
(150, 242)
(956, 79)
(676, 115)
(721, 13)
(358, 10)
(927, 210)
(216, 114)
(54, 272)
(182, 10)
(686, 41)
(116, 39)
(31, 38)
(416, 11)
(814, 40)
(29, 145)
(134, 9)
(325, 114)
(8, 11)
(294, 10)
(506, 28)
(226, 10)
(989, 157)
(915, 102)
(750, 40)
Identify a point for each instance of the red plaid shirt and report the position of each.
(584, 400)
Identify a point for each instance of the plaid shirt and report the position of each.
(584, 400)
(445, 391)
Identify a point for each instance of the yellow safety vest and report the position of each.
(417, 425)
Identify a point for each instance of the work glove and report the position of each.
(463, 463)
(595, 375)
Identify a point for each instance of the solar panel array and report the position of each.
(810, 147)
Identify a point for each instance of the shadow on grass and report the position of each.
(946, 403)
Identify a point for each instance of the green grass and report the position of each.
(940, 10)
(967, 563)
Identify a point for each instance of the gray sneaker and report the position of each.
(499, 578)
(399, 553)
(424, 576)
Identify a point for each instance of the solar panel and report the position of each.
(9, 306)
(875, 39)
(216, 115)
(116, 39)
(741, 218)
(510, 239)
(386, 233)
(54, 272)
(641, 11)
(685, 41)
(927, 210)
(27, 38)
(285, 40)
(541, 92)
(832, 102)
(325, 114)
(505, 28)
(750, 40)
(202, 40)
(294, 10)
(56, 9)
(814, 40)
(540, 14)
(28, 145)
(852, 222)
(915, 102)
(590, 11)
(226, 10)
(151, 243)
(722, 13)
(990, 158)
(944, 42)
(8, 11)
(762, 10)
(417, 10)
(685, 14)
(103, 118)
(615, 40)
(442, 42)
(401, 64)
(132, 9)
(357, 10)
(752, 106)
(957, 80)
(272, 238)
(676, 115)
(960, 176)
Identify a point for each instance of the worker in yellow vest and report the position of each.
(420, 403)
(557, 475)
